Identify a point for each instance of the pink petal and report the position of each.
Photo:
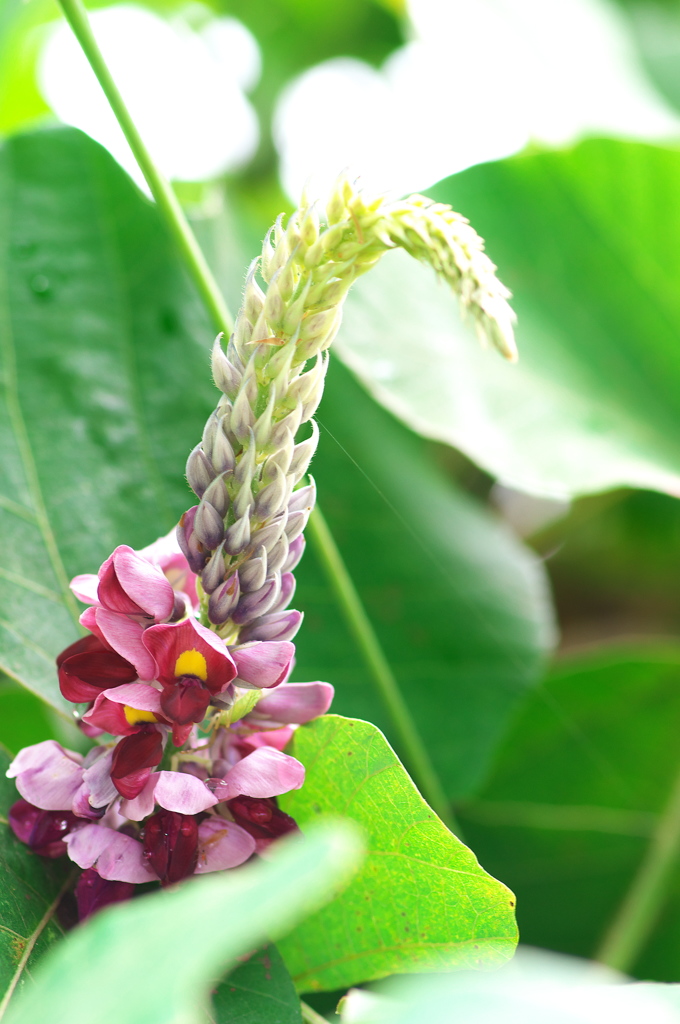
(294, 703)
(85, 588)
(167, 554)
(279, 738)
(178, 791)
(144, 583)
(143, 804)
(124, 636)
(167, 642)
(118, 857)
(263, 664)
(265, 772)
(136, 695)
(221, 845)
(47, 776)
(97, 779)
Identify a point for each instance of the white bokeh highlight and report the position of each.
(478, 82)
(184, 89)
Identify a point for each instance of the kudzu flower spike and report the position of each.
(185, 668)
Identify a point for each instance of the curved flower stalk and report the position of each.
(245, 536)
(184, 672)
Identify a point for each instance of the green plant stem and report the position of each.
(310, 1016)
(416, 757)
(635, 919)
(161, 190)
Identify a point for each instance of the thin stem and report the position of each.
(161, 190)
(416, 757)
(310, 1016)
(637, 915)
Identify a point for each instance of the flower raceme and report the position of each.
(184, 671)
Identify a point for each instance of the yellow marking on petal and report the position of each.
(191, 663)
(134, 715)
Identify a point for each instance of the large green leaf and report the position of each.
(30, 894)
(461, 607)
(420, 902)
(575, 795)
(105, 384)
(587, 239)
(153, 960)
(259, 991)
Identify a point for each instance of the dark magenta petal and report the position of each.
(83, 676)
(42, 831)
(112, 595)
(262, 819)
(185, 701)
(144, 749)
(85, 645)
(94, 892)
(171, 845)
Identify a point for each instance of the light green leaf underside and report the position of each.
(420, 902)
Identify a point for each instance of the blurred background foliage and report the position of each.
(455, 561)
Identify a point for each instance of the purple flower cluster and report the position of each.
(189, 735)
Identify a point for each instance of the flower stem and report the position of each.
(310, 1016)
(636, 917)
(416, 757)
(161, 189)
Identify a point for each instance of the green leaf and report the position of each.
(460, 606)
(537, 987)
(259, 991)
(587, 241)
(30, 894)
(575, 794)
(105, 385)
(153, 959)
(420, 902)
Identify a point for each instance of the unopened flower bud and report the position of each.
(289, 424)
(209, 431)
(303, 454)
(272, 498)
(190, 544)
(253, 573)
(252, 606)
(296, 549)
(227, 378)
(279, 626)
(242, 418)
(269, 535)
(286, 593)
(209, 525)
(297, 521)
(213, 574)
(237, 537)
(253, 299)
(199, 471)
(171, 845)
(223, 458)
(218, 496)
(304, 499)
(278, 555)
(223, 601)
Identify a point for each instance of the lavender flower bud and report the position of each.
(286, 592)
(223, 459)
(242, 419)
(237, 537)
(303, 499)
(297, 521)
(303, 454)
(253, 573)
(279, 554)
(223, 601)
(296, 549)
(218, 496)
(272, 498)
(209, 431)
(199, 471)
(280, 458)
(289, 423)
(213, 574)
(189, 543)
(227, 378)
(279, 626)
(269, 535)
(209, 525)
(253, 606)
